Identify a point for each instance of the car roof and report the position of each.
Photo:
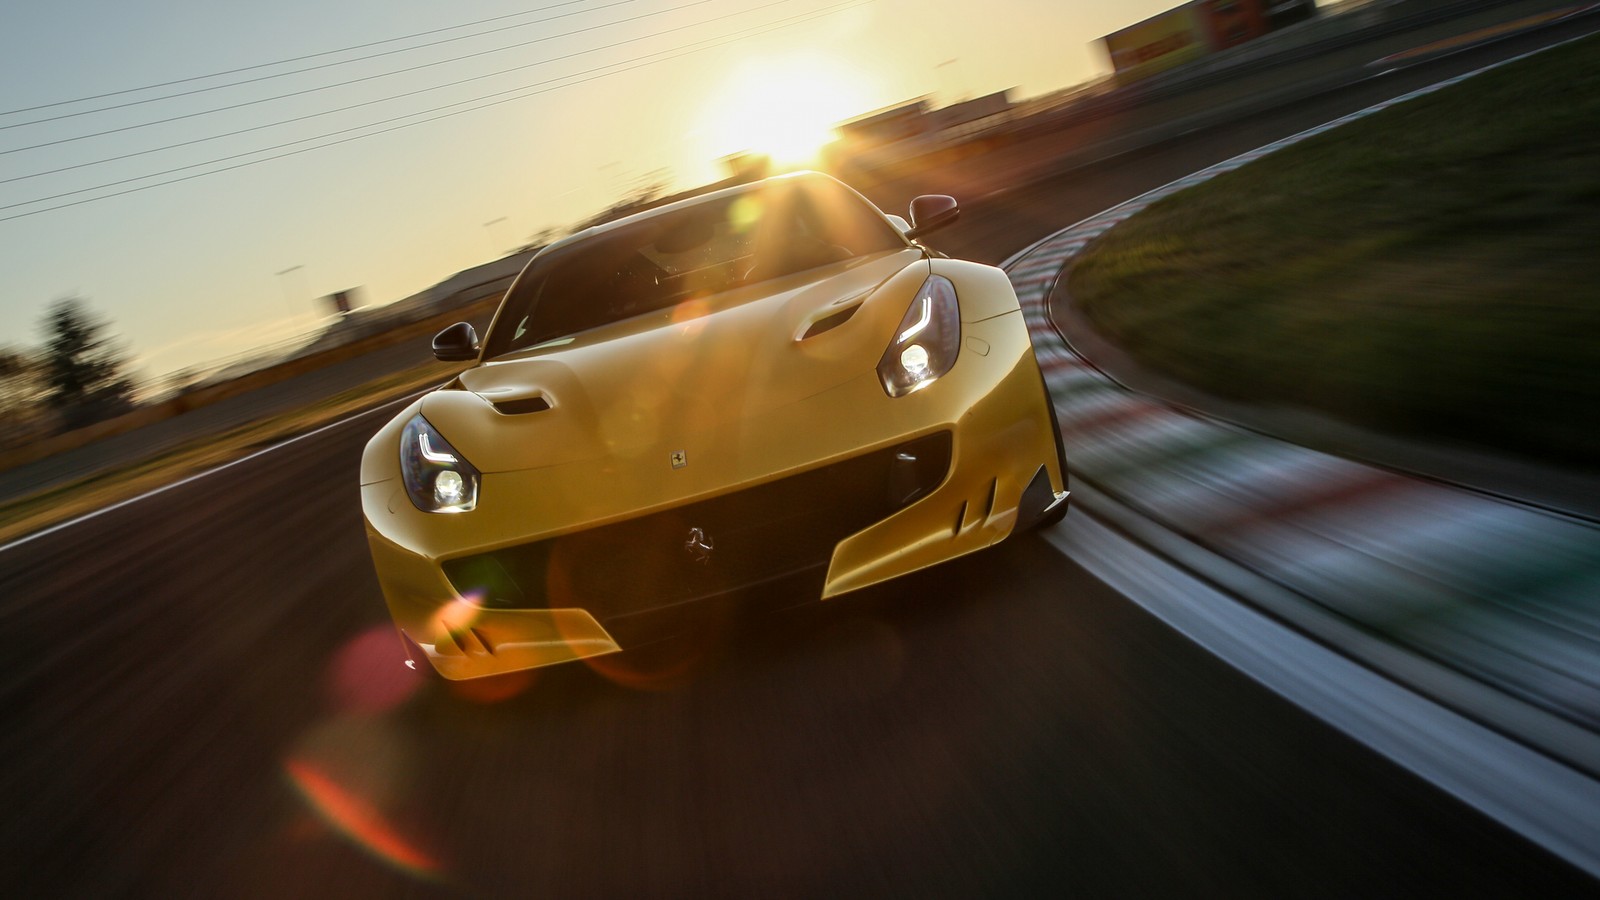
(687, 202)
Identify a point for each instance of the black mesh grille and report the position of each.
(757, 535)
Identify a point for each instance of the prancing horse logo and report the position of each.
(699, 546)
(679, 459)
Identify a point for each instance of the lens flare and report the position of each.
(745, 213)
(633, 671)
(368, 674)
(693, 310)
(495, 689)
(358, 820)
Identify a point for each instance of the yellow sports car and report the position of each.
(773, 385)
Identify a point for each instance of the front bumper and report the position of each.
(555, 562)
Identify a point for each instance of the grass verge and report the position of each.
(33, 512)
(1430, 270)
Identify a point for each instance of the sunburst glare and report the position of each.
(783, 108)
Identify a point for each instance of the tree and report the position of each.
(647, 191)
(84, 369)
(21, 390)
(15, 366)
(544, 237)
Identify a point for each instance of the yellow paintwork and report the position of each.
(731, 386)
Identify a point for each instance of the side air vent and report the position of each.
(522, 406)
(829, 323)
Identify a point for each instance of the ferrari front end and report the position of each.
(824, 430)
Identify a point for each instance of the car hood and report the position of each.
(694, 376)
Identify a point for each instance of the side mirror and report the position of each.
(900, 225)
(456, 343)
(930, 212)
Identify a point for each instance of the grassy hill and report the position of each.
(1433, 269)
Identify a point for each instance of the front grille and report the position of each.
(782, 528)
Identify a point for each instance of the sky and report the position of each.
(543, 113)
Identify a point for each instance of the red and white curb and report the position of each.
(1500, 592)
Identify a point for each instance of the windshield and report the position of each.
(774, 229)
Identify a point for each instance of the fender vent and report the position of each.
(829, 323)
(522, 406)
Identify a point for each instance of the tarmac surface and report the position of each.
(210, 701)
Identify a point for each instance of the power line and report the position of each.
(424, 112)
(280, 62)
(329, 65)
(313, 90)
(365, 103)
(709, 43)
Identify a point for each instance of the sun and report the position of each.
(783, 108)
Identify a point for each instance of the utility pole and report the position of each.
(288, 290)
(951, 88)
(497, 247)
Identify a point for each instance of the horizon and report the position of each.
(543, 115)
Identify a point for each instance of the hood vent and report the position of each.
(522, 405)
(828, 323)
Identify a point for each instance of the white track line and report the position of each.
(1533, 795)
(78, 520)
(1545, 801)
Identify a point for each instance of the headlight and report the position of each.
(926, 343)
(438, 479)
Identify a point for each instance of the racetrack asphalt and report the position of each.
(206, 700)
(196, 671)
